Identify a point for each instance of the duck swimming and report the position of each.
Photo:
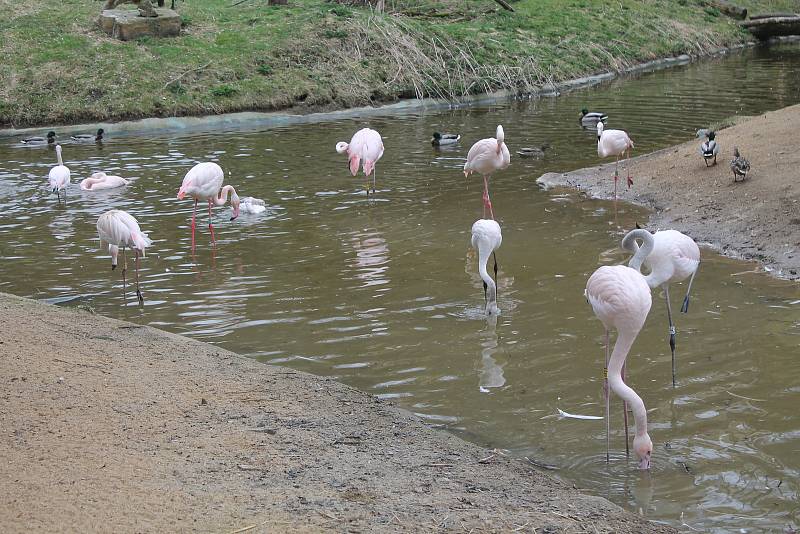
(739, 165)
(49, 140)
(709, 148)
(440, 139)
(89, 138)
(536, 152)
(589, 119)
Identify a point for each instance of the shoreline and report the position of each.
(754, 220)
(116, 426)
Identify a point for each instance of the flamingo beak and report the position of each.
(644, 463)
(113, 266)
(181, 194)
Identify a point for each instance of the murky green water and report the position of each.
(384, 295)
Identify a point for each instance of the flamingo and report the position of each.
(614, 143)
(486, 239)
(100, 180)
(366, 145)
(59, 176)
(674, 258)
(204, 182)
(620, 298)
(118, 228)
(485, 157)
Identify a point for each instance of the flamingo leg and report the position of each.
(616, 177)
(628, 168)
(494, 255)
(138, 291)
(210, 225)
(606, 393)
(685, 306)
(374, 173)
(194, 216)
(625, 416)
(671, 331)
(487, 203)
(124, 270)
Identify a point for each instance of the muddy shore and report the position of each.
(115, 427)
(755, 219)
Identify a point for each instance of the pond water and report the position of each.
(383, 294)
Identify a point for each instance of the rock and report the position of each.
(125, 24)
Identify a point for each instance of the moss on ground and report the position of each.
(312, 54)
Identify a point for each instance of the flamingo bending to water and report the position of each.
(365, 145)
(674, 258)
(620, 298)
(204, 182)
(486, 239)
(486, 157)
(59, 176)
(116, 229)
(101, 180)
(614, 143)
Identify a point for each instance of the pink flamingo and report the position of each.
(674, 258)
(486, 157)
(486, 239)
(118, 228)
(365, 145)
(59, 176)
(620, 298)
(614, 143)
(204, 182)
(100, 180)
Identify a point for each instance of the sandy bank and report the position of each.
(758, 219)
(110, 426)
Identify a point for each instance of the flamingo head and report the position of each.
(341, 147)
(500, 134)
(643, 447)
(98, 175)
(235, 204)
(599, 129)
(58, 150)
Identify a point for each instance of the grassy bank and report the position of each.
(60, 68)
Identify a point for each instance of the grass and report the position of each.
(60, 68)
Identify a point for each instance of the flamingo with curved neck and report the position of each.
(486, 239)
(620, 298)
(204, 182)
(674, 257)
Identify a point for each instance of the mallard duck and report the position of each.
(589, 119)
(89, 138)
(739, 165)
(709, 148)
(49, 140)
(535, 152)
(440, 139)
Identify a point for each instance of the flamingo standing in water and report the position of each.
(101, 180)
(674, 258)
(117, 229)
(614, 143)
(59, 176)
(486, 239)
(365, 145)
(620, 298)
(204, 182)
(486, 157)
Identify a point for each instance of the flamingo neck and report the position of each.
(222, 197)
(640, 253)
(625, 339)
(58, 155)
(484, 251)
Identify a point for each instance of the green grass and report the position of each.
(60, 68)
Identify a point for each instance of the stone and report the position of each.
(126, 24)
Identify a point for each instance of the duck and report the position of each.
(709, 148)
(739, 165)
(440, 139)
(589, 119)
(536, 152)
(89, 138)
(100, 180)
(38, 140)
(252, 205)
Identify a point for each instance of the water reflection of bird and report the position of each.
(365, 145)
(739, 165)
(674, 258)
(204, 182)
(491, 373)
(89, 138)
(37, 140)
(620, 298)
(116, 229)
(614, 143)
(486, 157)
(709, 148)
(59, 176)
(589, 119)
(101, 180)
(486, 239)
(440, 139)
